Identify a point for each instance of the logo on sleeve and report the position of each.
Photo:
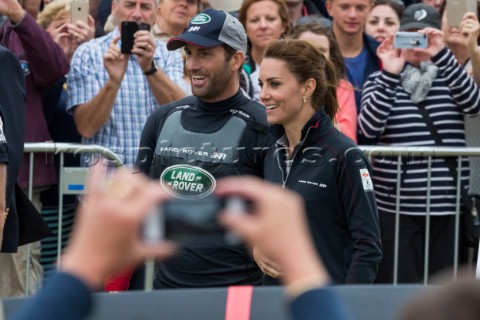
(2, 135)
(187, 182)
(366, 180)
(25, 68)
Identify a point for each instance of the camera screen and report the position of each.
(192, 217)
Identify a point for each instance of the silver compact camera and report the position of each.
(410, 40)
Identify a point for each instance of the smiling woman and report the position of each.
(324, 166)
(263, 20)
(324, 40)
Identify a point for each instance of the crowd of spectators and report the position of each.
(79, 87)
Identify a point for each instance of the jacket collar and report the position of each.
(320, 122)
(235, 101)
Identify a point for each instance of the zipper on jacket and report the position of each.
(295, 151)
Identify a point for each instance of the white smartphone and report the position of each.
(79, 10)
(456, 9)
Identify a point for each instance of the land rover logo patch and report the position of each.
(188, 182)
(201, 18)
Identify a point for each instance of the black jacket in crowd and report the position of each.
(333, 176)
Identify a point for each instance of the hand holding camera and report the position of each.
(393, 59)
(470, 28)
(193, 221)
(276, 224)
(128, 31)
(136, 39)
(132, 40)
(410, 40)
(436, 41)
(392, 52)
(429, 40)
(82, 31)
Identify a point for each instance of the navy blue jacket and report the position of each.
(333, 176)
(317, 304)
(64, 297)
(12, 110)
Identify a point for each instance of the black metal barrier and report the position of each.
(380, 302)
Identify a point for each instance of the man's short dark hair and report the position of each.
(229, 52)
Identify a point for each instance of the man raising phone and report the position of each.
(111, 94)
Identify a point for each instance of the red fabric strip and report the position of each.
(239, 302)
(119, 282)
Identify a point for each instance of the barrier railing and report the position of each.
(363, 302)
(427, 153)
(70, 180)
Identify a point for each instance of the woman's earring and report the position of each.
(304, 100)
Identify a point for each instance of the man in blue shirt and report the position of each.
(112, 94)
(358, 49)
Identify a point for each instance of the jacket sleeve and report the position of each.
(378, 97)
(357, 198)
(47, 61)
(346, 116)
(62, 297)
(316, 304)
(463, 88)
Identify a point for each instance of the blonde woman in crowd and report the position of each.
(263, 20)
(55, 19)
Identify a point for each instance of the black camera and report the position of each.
(193, 221)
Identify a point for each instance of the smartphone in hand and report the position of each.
(79, 10)
(456, 9)
(128, 29)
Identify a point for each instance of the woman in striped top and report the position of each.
(412, 79)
